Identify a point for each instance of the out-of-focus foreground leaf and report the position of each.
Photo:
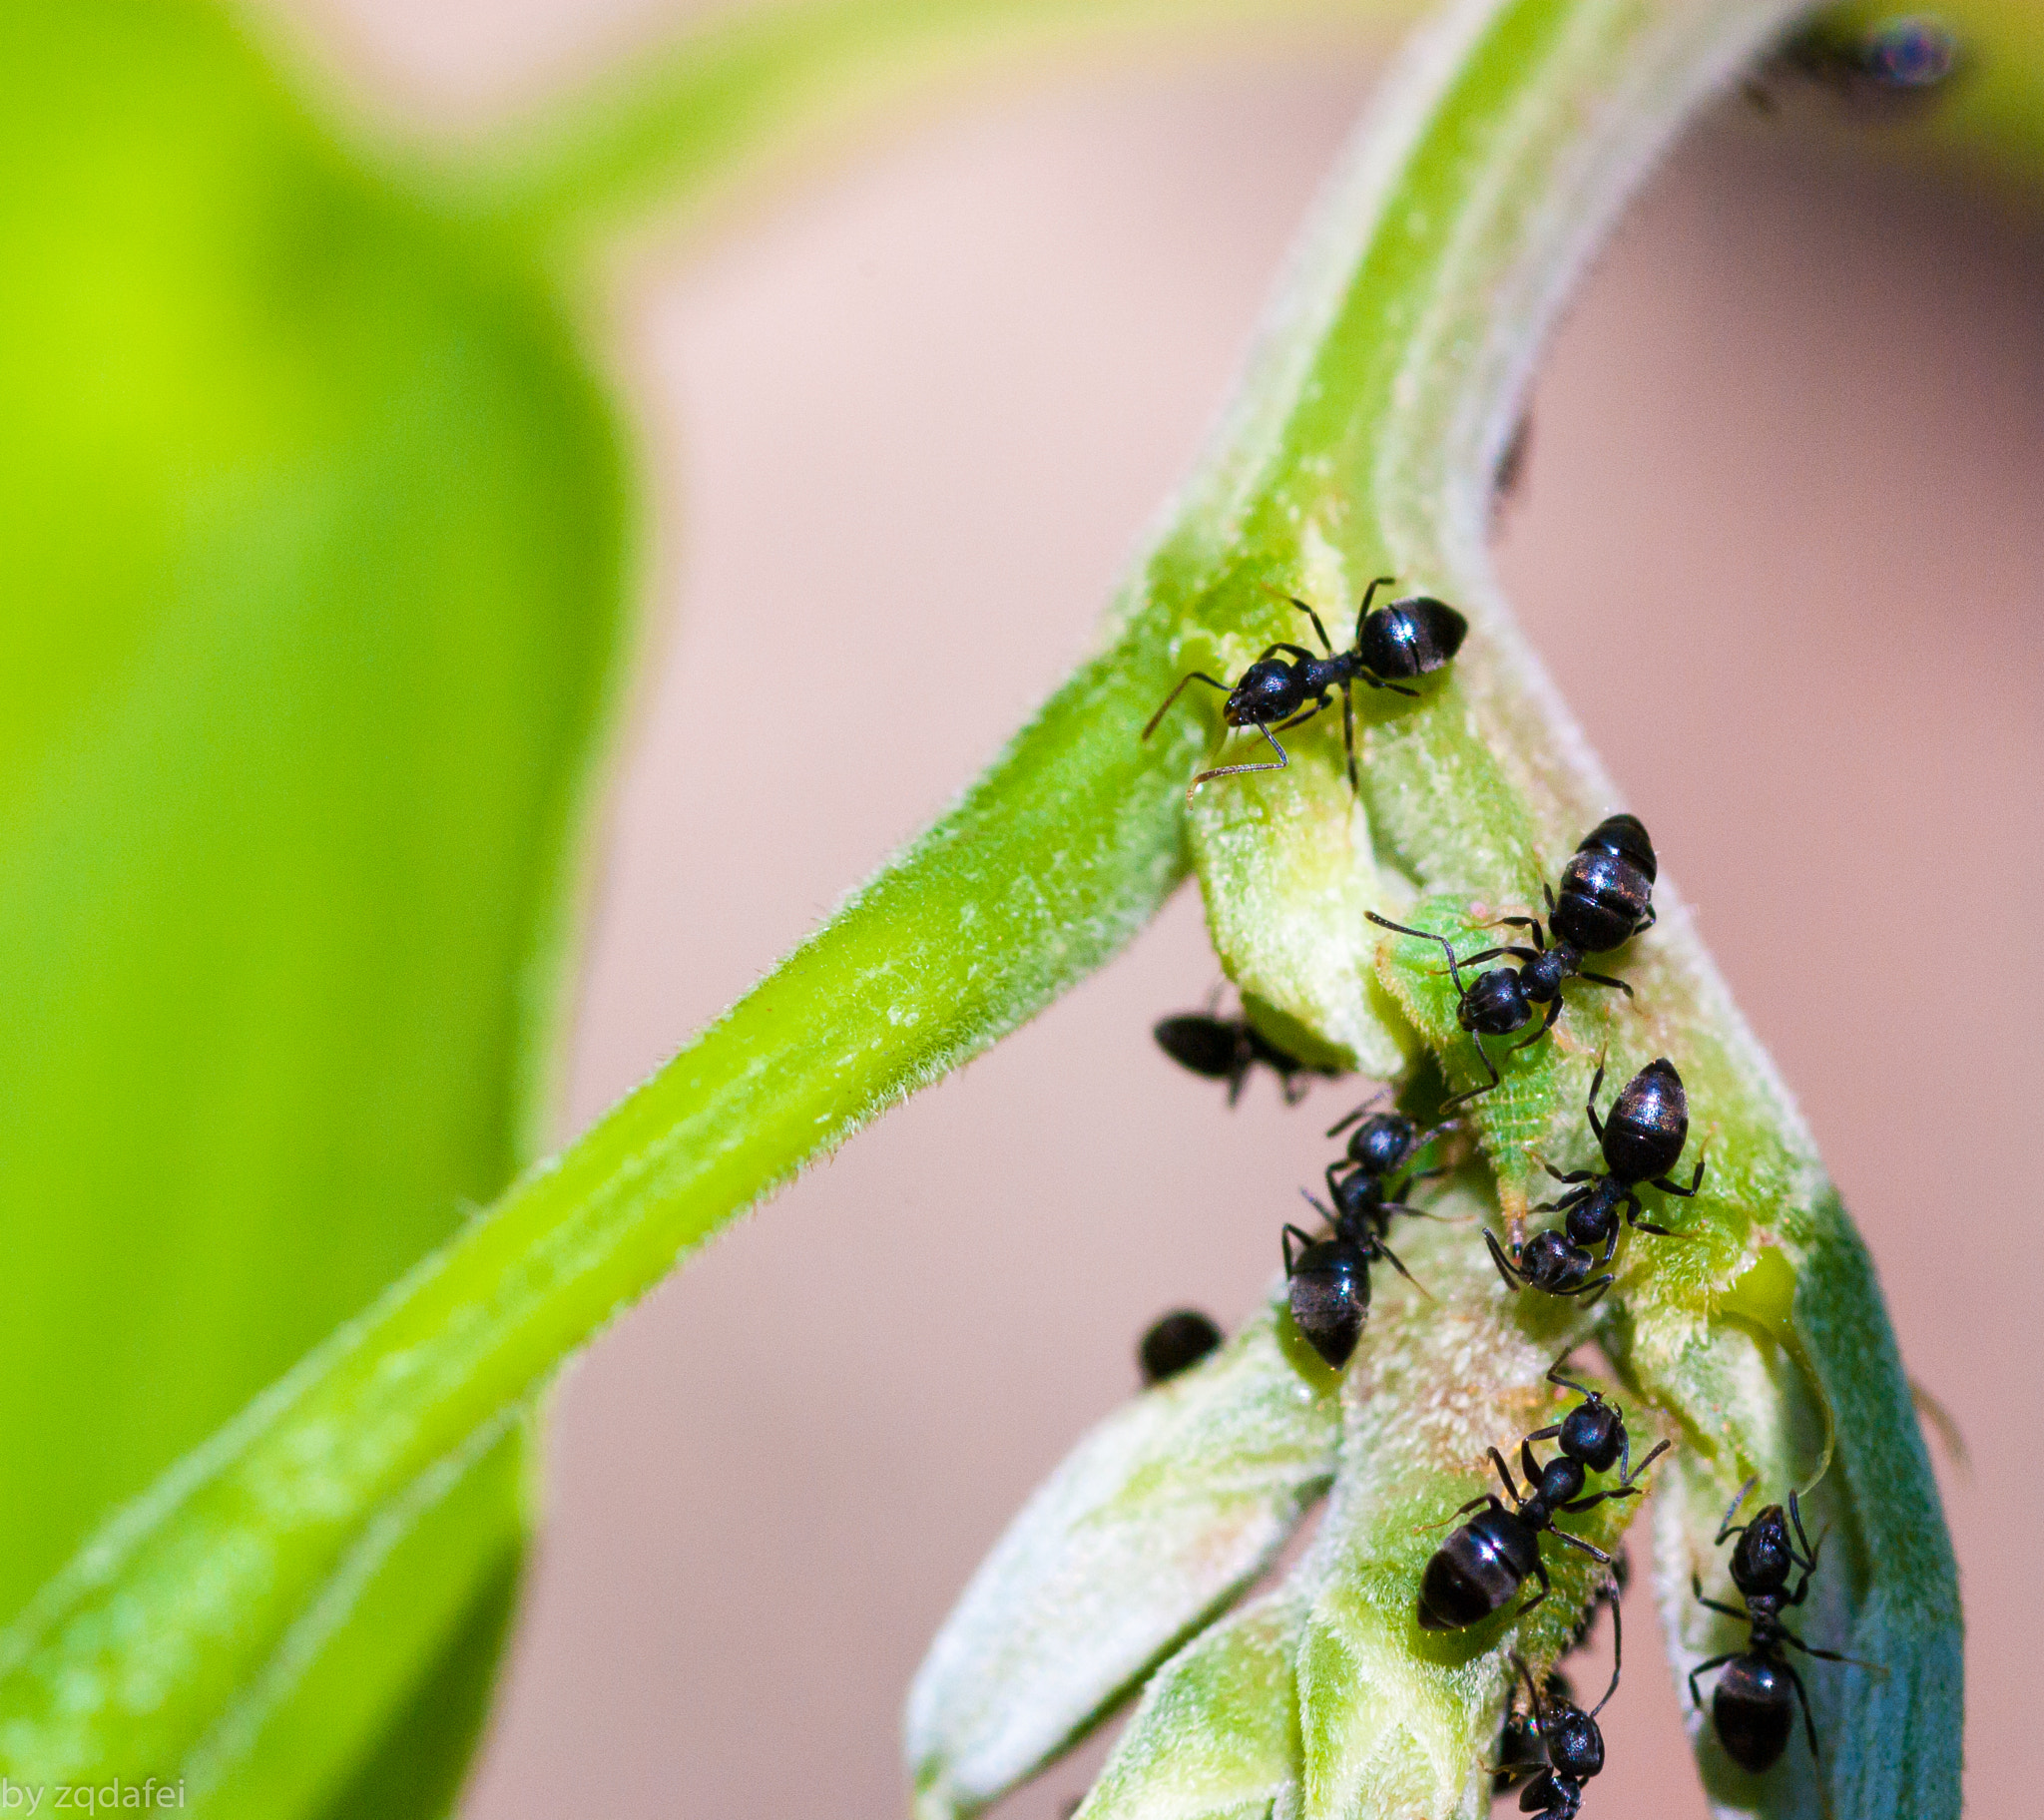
(310, 514)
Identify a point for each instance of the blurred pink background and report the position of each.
(1781, 540)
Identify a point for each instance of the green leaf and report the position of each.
(312, 527)
(1159, 1520)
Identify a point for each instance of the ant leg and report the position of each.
(1371, 679)
(1554, 1376)
(1324, 1213)
(1546, 1585)
(1590, 1105)
(1573, 1198)
(1446, 1219)
(1505, 1473)
(1576, 1541)
(1573, 1175)
(1368, 594)
(1809, 1724)
(1305, 1241)
(1628, 1474)
(1349, 736)
(1545, 1434)
(1553, 1015)
(1341, 1125)
(1696, 1585)
(1605, 979)
(1610, 1587)
(1490, 1067)
(1447, 948)
(1705, 1667)
(1594, 1290)
(1238, 770)
(1695, 1183)
(1653, 917)
(1795, 1517)
(1505, 1268)
(1327, 644)
(1731, 1510)
(1392, 1257)
(1191, 676)
(1831, 1655)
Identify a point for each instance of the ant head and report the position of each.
(1381, 1142)
(1593, 1433)
(1266, 692)
(1552, 1263)
(1575, 1746)
(1763, 1556)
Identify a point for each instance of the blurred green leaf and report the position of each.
(313, 522)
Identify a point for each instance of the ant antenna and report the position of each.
(1617, 1645)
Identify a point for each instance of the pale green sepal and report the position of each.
(1160, 1518)
(1396, 1720)
(1287, 870)
(1216, 1734)
(1804, 1383)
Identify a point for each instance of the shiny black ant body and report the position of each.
(1569, 1744)
(1485, 1562)
(1329, 1279)
(1607, 897)
(1642, 1140)
(1359, 1181)
(1177, 1342)
(1402, 639)
(1751, 1706)
(1230, 1049)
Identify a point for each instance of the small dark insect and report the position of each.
(1485, 1562)
(1177, 1342)
(1642, 1140)
(1518, 1743)
(1511, 463)
(1380, 1145)
(1403, 639)
(1607, 897)
(1569, 1744)
(1329, 1279)
(1749, 1705)
(1894, 65)
(1228, 1048)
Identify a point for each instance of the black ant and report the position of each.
(1518, 1745)
(1749, 1705)
(1642, 1140)
(1359, 1181)
(1571, 1745)
(1177, 1342)
(1485, 1562)
(1894, 66)
(1227, 1049)
(1330, 1278)
(1407, 638)
(1607, 892)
